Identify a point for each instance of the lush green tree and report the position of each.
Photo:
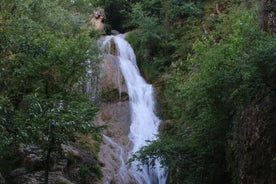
(45, 49)
(227, 69)
(160, 29)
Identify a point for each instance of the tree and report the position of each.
(227, 68)
(44, 61)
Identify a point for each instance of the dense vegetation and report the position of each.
(44, 52)
(211, 60)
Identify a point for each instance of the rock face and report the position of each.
(111, 77)
(256, 143)
(73, 166)
(116, 144)
(67, 169)
(96, 22)
(269, 16)
(115, 115)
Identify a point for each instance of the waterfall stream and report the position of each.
(144, 122)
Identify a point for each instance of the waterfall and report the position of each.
(144, 122)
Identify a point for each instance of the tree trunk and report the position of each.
(47, 165)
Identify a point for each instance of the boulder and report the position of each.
(96, 22)
(114, 32)
(111, 77)
(32, 157)
(62, 180)
(79, 154)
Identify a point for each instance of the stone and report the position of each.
(33, 159)
(18, 172)
(26, 179)
(79, 154)
(116, 116)
(96, 22)
(61, 172)
(111, 77)
(114, 32)
(255, 139)
(62, 180)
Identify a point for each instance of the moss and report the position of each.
(132, 38)
(91, 142)
(89, 173)
(70, 158)
(109, 95)
(113, 47)
(112, 95)
(60, 181)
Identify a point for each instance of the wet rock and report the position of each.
(115, 32)
(96, 22)
(256, 143)
(116, 116)
(79, 154)
(65, 169)
(111, 75)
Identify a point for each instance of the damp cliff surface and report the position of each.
(114, 114)
(256, 143)
(254, 132)
(128, 113)
(268, 16)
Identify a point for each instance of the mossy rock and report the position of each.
(89, 173)
(62, 180)
(112, 95)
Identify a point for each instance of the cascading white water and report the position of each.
(145, 123)
(123, 169)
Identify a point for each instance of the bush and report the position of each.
(224, 76)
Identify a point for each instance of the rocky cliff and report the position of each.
(115, 115)
(256, 143)
(79, 164)
(254, 133)
(269, 16)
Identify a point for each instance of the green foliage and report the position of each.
(59, 181)
(6, 111)
(160, 33)
(147, 35)
(44, 53)
(83, 7)
(48, 122)
(227, 68)
(109, 95)
(116, 12)
(90, 142)
(88, 173)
